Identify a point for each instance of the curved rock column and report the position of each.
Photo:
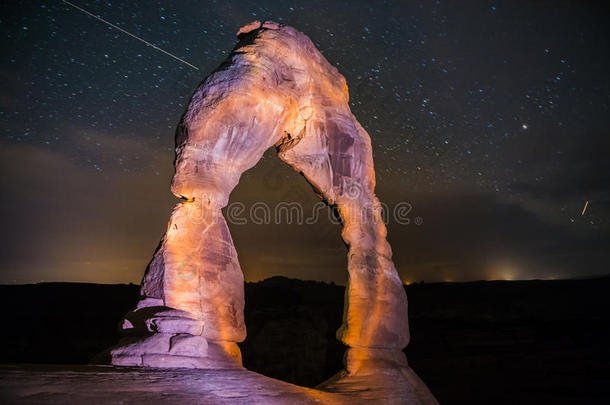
(230, 121)
(336, 158)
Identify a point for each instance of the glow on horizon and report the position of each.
(503, 270)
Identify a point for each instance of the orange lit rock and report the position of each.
(277, 89)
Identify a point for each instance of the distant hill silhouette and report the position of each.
(479, 342)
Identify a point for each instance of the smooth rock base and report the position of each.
(379, 375)
(29, 384)
(381, 385)
(164, 350)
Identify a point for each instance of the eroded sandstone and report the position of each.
(275, 89)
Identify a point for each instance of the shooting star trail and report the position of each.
(585, 208)
(130, 34)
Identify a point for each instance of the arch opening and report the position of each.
(294, 269)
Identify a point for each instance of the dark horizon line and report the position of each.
(414, 283)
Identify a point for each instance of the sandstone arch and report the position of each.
(277, 89)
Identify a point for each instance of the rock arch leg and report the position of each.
(375, 325)
(192, 296)
(334, 154)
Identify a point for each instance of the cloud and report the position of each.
(67, 221)
(61, 213)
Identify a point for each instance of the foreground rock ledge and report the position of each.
(275, 89)
(59, 384)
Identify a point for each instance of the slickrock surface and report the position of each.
(277, 89)
(38, 384)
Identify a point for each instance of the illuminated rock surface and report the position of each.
(55, 384)
(277, 89)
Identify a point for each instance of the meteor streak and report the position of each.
(130, 34)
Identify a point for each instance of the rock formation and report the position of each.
(277, 89)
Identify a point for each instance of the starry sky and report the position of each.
(488, 118)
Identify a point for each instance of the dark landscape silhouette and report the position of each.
(477, 342)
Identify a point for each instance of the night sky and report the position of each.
(489, 118)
